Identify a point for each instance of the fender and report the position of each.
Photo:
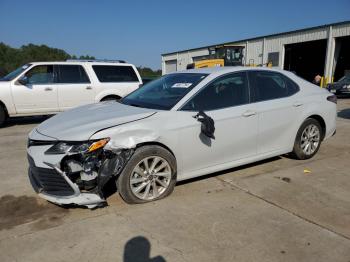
(105, 93)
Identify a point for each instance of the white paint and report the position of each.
(56, 97)
(243, 134)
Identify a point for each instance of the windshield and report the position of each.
(164, 92)
(15, 73)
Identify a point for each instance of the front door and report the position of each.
(226, 101)
(39, 95)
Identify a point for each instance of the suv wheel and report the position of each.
(149, 175)
(3, 116)
(308, 139)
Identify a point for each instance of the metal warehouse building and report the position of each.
(323, 50)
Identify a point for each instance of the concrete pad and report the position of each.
(249, 213)
(219, 224)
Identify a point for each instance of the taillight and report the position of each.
(332, 98)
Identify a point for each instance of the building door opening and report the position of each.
(170, 66)
(341, 64)
(306, 59)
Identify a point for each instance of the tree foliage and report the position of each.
(148, 72)
(12, 58)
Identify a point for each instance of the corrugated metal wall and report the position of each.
(257, 50)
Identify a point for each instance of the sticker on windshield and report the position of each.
(181, 85)
(25, 67)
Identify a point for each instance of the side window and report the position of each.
(293, 88)
(110, 74)
(72, 74)
(271, 85)
(227, 91)
(41, 74)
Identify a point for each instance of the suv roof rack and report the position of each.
(96, 60)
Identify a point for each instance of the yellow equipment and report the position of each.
(223, 55)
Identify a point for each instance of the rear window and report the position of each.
(110, 74)
(72, 74)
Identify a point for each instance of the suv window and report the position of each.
(271, 85)
(225, 91)
(72, 74)
(107, 73)
(41, 74)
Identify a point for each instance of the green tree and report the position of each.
(11, 58)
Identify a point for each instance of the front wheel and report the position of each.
(149, 175)
(308, 139)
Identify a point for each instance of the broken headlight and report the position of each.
(76, 148)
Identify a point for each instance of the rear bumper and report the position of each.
(53, 185)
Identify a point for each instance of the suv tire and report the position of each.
(3, 116)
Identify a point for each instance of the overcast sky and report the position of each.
(140, 31)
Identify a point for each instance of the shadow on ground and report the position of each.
(28, 120)
(345, 113)
(138, 249)
(231, 170)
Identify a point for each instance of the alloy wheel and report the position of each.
(150, 178)
(310, 139)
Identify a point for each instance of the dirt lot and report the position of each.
(269, 211)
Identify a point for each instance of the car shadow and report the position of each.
(138, 249)
(345, 113)
(27, 120)
(230, 170)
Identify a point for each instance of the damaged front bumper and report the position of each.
(53, 185)
(78, 178)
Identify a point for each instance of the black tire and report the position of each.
(3, 116)
(110, 98)
(123, 181)
(298, 151)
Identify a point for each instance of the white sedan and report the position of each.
(183, 125)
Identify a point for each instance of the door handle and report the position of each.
(296, 104)
(88, 88)
(48, 88)
(249, 113)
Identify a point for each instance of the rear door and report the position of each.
(74, 87)
(40, 94)
(277, 105)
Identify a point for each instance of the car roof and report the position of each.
(80, 62)
(228, 69)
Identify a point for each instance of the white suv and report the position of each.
(50, 87)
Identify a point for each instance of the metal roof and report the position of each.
(264, 36)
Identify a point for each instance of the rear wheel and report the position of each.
(308, 139)
(149, 175)
(3, 116)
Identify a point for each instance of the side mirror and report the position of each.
(207, 124)
(23, 80)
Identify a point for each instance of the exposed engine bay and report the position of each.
(91, 171)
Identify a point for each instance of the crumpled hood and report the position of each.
(81, 123)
